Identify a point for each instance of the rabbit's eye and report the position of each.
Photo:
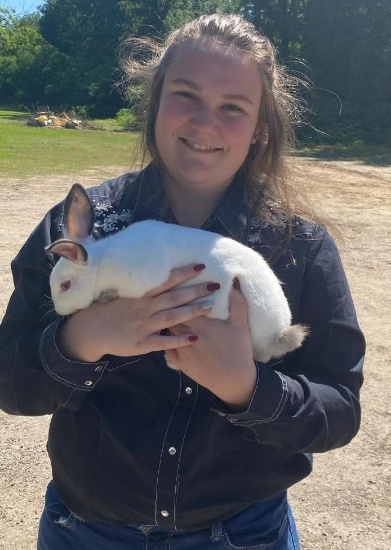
(65, 285)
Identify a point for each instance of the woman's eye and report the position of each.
(231, 107)
(187, 95)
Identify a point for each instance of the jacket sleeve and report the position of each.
(35, 379)
(309, 401)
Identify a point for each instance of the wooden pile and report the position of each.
(46, 118)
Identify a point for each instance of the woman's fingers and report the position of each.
(184, 295)
(238, 312)
(171, 305)
(177, 277)
(179, 315)
(173, 341)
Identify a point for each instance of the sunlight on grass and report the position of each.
(12, 116)
(28, 151)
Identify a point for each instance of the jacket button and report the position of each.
(164, 513)
(88, 383)
(172, 451)
(189, 391)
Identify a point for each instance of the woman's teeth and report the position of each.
(200, 147)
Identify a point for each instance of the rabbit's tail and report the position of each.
(288, 340)
(170, 363)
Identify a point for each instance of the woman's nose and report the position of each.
(204, 118)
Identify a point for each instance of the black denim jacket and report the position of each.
(132, 441)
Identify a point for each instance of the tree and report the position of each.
(157, 17)
(88, 33)
(280, 20)
(25, 60)
(348, 46)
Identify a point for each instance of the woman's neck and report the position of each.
(193, 204)
(192, 210)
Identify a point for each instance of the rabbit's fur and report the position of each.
(141, 257)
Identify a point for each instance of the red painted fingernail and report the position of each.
(199, 267)
(193, 338)
(236, 284)
(213, 286)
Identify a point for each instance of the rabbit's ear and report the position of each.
(75, 252)
(78, 214)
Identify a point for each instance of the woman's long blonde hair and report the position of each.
(266, 169)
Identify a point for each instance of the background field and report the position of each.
(29, 151)
(346, 503)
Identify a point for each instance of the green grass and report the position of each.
(30, 151)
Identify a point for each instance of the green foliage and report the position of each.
(127, 119)
(348, 46)
(87, 33)
(281, 20)
(345, 123)
(25, 60)
(67, 54)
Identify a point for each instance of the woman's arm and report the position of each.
(309, 400)
(32, 368)
(47, 362)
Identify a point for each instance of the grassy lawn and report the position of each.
(29, 151)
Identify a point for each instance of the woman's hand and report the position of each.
(132, 326)
(222, 358)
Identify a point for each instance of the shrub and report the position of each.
(346, 123)
(127, 119)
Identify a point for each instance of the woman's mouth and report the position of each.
(195, 146)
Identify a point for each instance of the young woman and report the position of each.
(200, 458)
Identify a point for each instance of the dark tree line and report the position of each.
(66, 54)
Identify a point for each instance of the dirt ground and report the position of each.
(345, 504)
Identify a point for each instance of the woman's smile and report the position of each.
(200, 147)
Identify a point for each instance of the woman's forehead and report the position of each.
(211, 47)
(209, 61)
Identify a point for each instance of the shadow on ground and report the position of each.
(379, 155)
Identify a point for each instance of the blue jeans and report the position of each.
(264, 526)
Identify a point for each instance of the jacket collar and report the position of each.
(233, 215)
(145, 194)
(230, 218)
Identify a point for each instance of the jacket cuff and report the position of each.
(74, 374)
(267, 402)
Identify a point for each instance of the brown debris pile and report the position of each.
(49, 119)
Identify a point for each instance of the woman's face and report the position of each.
(207, 117)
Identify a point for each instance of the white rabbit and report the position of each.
(141, 257)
